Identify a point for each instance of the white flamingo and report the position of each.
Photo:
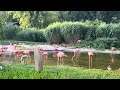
(90, 54)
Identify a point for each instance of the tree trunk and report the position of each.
(38, 59)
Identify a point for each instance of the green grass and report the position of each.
(6, 42)
(55, 72)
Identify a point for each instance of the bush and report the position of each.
(106, 43)
(97, 29)
(10, 32)
(85, 44)
(31, 35)
(73, 31)
(114, 30)
(53, 34)
(70, 32)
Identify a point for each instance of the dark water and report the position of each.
(100, 60)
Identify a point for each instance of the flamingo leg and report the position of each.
(54, 54)
(73, 59)
(62, 61)
(58, 61)
(89, 62)
(77, 59)
(46, 58)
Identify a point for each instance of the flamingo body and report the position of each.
(90, 54)
(76, 51)
(26, 52)
(61, 55)
(45, 53)
(0, 53)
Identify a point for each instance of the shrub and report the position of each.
(73, 31)
(114, 30)
(53, 34)
(31, 35)
(10, 32)
(97, 29)
(106, 43)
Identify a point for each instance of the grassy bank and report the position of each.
(6, 42)
(55, 72)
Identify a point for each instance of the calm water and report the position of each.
(100, 60)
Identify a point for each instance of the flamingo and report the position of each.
(4, 48)
(0, 53)
(55, 50)
(27, 52)
(17, 54)
(90, 54)
(76, 53)
(112, 54)
(24, 58)
(45, 56)
(41, 50)
(60, 56)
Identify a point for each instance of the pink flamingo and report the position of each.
(0, 53)
(45, 56)
(76, 53)
(41, 50)
(17, 52)
(112, 54)
(90, 54)
(60, 56)
(55, 50)
(4, 48)
(27, 52)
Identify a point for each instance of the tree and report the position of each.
(2, 24)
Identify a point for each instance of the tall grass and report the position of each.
(55, 72)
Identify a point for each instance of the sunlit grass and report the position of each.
(55, 72)
(6, 42)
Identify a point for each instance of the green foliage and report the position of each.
(106, 43)
(2, 24)
(6, 42)
(31, 35)
(53, 33)
(96, 29)
(53, 72)
(114, 30)
(10, 32)
(72, 31)
(85, 44)
(42, 19)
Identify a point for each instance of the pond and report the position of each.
(100, 60)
